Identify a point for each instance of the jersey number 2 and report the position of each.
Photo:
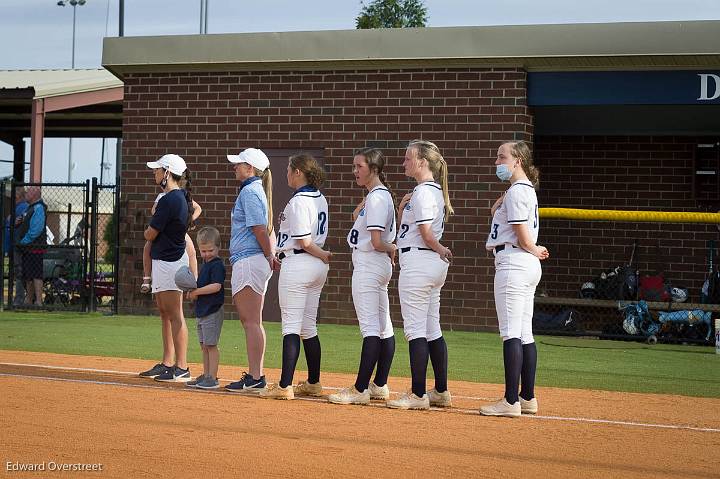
(404, 229)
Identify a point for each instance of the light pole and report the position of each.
(203, 16)
(74, 4)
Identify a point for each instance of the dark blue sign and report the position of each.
(624, 88)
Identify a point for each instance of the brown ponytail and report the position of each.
(307, 163)
(521, 151)
(184, 182)
(376, 162)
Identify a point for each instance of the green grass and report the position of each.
(563, 362)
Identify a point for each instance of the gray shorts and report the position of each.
(208, 328)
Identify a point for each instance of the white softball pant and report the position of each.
(517, 274)
(302, 277)
(422, 275)
(371, 274)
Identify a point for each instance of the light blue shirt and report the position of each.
(250, 210)
(37, 224)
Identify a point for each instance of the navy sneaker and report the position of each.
(155, 371)
(182, 375)
(247, 383)
(166, 376)
(174, 375)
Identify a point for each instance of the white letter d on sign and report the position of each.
(704, 92)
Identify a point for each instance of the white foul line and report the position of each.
(321, 400)
(132, 373)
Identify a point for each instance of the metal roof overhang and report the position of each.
(58, 103)
(611, 46)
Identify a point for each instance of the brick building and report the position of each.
(615, 113)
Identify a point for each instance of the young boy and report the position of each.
(209, 298)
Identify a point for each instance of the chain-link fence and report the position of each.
(58, 246)
(646, 282)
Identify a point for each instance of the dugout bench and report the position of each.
(603, 318)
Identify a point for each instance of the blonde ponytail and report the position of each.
(438, 167)
(266, 177)
(449, 211)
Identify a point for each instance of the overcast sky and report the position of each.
(37, 34)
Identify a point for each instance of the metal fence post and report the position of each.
(83, 283)
(11, 254)
(2, 248)
(93, 244)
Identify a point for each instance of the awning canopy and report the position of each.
(57, 103)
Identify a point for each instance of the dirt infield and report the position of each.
(76, 409)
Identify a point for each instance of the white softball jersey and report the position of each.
(517, 272)
(427, 206)
(422, 273)
(520, 206)
(305, 216)
(379, 215)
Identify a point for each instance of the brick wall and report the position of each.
(629, 173)
(203, 116)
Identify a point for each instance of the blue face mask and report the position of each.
(503, 172)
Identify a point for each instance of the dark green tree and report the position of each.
(392, 14)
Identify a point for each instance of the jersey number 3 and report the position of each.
(494, 233)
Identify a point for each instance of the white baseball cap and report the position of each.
(173, 163)
(252, 156)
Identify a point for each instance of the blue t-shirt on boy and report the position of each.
(211, 272)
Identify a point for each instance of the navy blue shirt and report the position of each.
(211, 272)
(170, 219)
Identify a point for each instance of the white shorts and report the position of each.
(253, 271)
(302, 277)
(517, 274)
(372, 271)
(163, 273)
(422, 276)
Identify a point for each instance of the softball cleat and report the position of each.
(409, 401)
(350, 396)
(308, 389)
(437, 399)
(275, 391)
(501, 408)
(529, 407)
(379, 392)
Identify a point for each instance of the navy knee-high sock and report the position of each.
(290, 355)
(527, 374)
(387, 352)
(512, 357)
(418, 365)
(312, 356)
(439, 360)
(368, 359)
